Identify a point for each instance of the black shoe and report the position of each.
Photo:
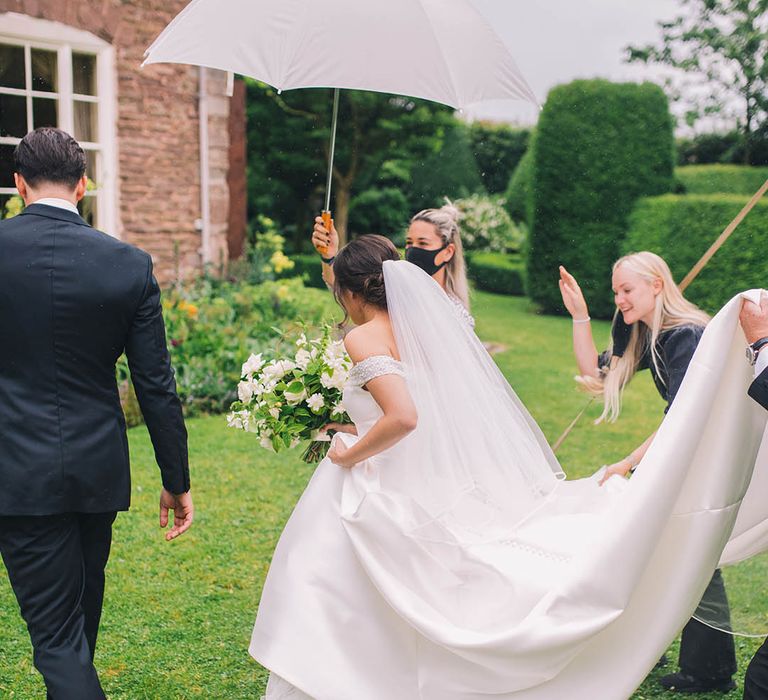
(661, 663)
(683, 683)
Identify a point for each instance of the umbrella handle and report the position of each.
(328, 223)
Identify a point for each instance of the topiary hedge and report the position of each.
(729, 179)
(681, 229)
(518, 195)
(599, 147)
(497, 272)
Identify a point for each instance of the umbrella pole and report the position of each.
(326, 213)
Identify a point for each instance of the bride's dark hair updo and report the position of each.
(358, 268)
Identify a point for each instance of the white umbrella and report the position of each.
(440, 50)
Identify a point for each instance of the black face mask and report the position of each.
(425, 259)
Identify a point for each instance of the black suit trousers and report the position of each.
(707, 653)
(56, 567)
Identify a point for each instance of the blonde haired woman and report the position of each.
(433, 243)
(654, 328)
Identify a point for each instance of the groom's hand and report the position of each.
(183, 513)
(754, 319)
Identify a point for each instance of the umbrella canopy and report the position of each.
(433, 49)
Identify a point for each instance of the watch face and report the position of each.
(751, 355)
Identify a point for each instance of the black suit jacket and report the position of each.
(72, 299)
(759, 389)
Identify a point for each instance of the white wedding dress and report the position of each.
(458, 565)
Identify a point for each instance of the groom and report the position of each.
(72, 300)
(754, 321)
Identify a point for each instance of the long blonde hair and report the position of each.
(446, 221)
(672, 310)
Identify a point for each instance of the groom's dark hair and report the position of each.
(49, 155)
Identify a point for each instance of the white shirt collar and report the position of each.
(56, 202)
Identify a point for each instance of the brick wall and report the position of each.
(157, 132)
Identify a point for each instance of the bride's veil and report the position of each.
(477, 463)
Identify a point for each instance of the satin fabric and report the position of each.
(368, 598)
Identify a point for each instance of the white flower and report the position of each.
(334, 381)
(255, 426)
(302, 341)
(274, 412)
(251, 365)
(295, 397)
(277, 369)
(245, 391)
(303, 358)
(338, 409)
(294, 442)
(266, 443)
(238, 419)
(316, 402)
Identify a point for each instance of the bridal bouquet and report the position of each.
(287, 400)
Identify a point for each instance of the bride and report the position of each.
(440, 555)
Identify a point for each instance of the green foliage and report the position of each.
(212, 326)
(13, 206)
(520, 190)
(681, 229)
(451, 171)
(263, 257)
(485, 225)
(726, 147)
(380, 140)
(599, 147)
(380, 210)
(720, 47)
(713, 179)
(497, 272)
(309, 268)
(498, 149)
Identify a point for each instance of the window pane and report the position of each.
(87, 208)
(85, 121)
(13, 115)
(6, 166)
(45, 112)
(12, 66)
(84, 73)
(44, 73)
(90, 166)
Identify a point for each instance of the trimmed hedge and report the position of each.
(681, 229)
(518, 195)
(728, 179)
(599, 147)
(497, 272)
(309, 268)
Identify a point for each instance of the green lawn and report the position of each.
(178, 616)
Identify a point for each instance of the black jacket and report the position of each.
(759, 389)
(72, 299)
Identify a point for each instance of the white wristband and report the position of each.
(582, 320)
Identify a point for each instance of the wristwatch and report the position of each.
(754, 350)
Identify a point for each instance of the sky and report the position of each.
(556, 41)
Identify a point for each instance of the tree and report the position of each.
(380, 137)
(497, 148)
(721, 47)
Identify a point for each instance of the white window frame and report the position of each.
(31, 32)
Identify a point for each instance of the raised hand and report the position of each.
(572, 296)
(326, 242)
(183, 513)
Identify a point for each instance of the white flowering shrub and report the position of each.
(486, 225)
(285, 401)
